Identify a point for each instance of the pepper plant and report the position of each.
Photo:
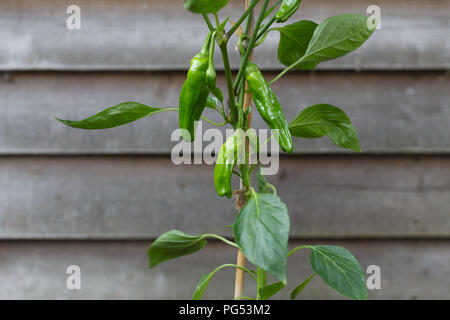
(261, 228)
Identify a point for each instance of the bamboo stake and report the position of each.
(240, 201)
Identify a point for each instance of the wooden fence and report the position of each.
(97, 199)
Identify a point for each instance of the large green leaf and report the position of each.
(117, 115)
(174, 244)
(336, 36)
(294, 40)
(206, 278)
(261, 230)
(339, 269)
(324, 119)
(268, 291)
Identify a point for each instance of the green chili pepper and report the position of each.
(195, 91)
(211, 72)
(268, 106)
(204, 6)
(287, 9)
(229, 153)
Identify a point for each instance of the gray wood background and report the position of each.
(97, 199)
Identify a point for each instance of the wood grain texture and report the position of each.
(146, 35)
(143, 197)
(119, 270)
(392, 112)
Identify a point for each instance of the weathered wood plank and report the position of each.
(393, 113)
(142, 197)
(119, 270)
(146, 35)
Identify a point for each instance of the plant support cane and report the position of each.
(261, 227)
(240, 261)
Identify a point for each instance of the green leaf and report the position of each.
(261, 230)
(268, 291)
(324, 119)
(300, 287)
(117, 115)
(339, 269)
(223, 24)
(205, 279)
(212, 103)
(262, 182)
(336, 36)
(294, 40)
(204, 6)
(174, 244)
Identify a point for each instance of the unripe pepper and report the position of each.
(232, 150)
(268, 106)
(195, 91)
(211, 71)
(287, 9)
(204, 6)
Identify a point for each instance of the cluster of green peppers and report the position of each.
(268, 106)
(195, 91)
(287, 9)
(201, 80)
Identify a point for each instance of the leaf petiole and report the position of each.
(212, 235)
(298, 248)
(221, 124)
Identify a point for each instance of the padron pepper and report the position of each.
(287, 9)
(231, 152)
(268, 106)
(195, 91)
(211, 71)
(204, 6)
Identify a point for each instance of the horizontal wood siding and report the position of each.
(142, 197)
(119, 270)
(146, 35)
(393, 113)
(98, 198)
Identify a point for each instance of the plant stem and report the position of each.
(261, 278)
(242, 18)
(208, 22)
(241, 99)
(250, 46)
(299, 248)
(267, 26)
(212, 235)
(226, 65)
(285, 70)
(221, 124)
